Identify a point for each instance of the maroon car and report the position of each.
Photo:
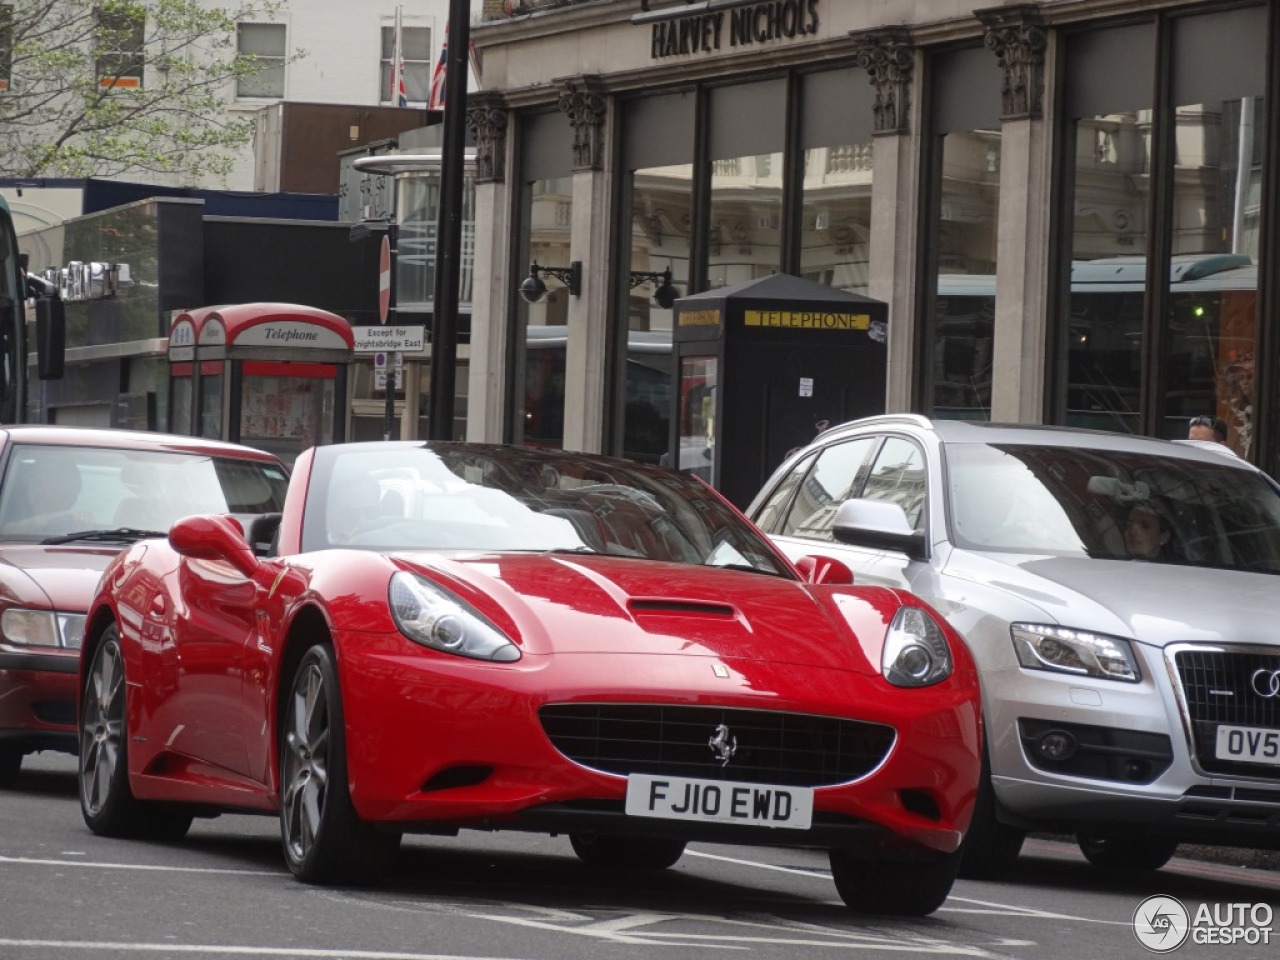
(70, 500)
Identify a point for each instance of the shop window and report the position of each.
(1211, 308)
(119, 39)
(264, 44)
(964, 210)
(1109, 95)
(417, 64)
(835, 221)
(745, 229)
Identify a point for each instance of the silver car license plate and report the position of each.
(718, 801)
(1248, 745)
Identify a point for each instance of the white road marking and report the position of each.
(174, 949)
(98, 865)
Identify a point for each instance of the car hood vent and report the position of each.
(658, 605)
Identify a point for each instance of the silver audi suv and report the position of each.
(1120, 594)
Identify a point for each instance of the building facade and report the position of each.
(1070, 207)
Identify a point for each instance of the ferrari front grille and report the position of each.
(1227, 687)
(755, 746)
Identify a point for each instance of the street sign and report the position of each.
(377, 339)
(381, 361)
(384, 279)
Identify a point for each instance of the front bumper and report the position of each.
(460, 745)
(38, 699)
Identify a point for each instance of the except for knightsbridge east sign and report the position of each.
(742, 26)
(383, 338)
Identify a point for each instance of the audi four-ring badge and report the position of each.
(1120, 595)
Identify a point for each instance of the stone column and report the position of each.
(889, 57)
(492, 286)
(1017, 36)
(586, 356)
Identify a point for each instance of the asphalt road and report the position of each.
(224, 893)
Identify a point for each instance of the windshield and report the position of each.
(1112, 505)
(489, 497)
(49, 492)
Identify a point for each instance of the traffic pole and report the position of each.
(444, 327)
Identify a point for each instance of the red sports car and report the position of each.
(443, 636)
(70, 500)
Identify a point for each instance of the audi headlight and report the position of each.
(1063, 650)
(43, 628)
(915, 651)
(435, 618)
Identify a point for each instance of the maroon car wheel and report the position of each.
(10, 764)
(106, 800)
(325, 841)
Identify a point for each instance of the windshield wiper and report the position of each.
(113, 535)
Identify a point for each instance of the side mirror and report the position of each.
(878, 525)
(214, 538)
(817, 569)
(51, 337)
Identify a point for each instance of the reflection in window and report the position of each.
(541, 415)
(1108, 276)
(418, 217)
(834, 479)
(1213, 315)
(899, 476)
(969, 209)
(661, 199)
(745, 238)
(698, 417)
(264, 44)
(835, 234)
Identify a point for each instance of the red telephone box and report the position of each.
(270, 375)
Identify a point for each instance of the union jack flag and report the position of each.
(436, 99)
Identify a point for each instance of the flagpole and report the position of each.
(397, 58)
(444, 321)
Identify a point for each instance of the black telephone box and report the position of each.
(762, 367)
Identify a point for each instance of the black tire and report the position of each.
(609, 851)
(325, 841)
(10, 765)
(107, 802)
(990, 849)
(1132, 854)
(895, 888)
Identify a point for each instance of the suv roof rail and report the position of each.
(913, 419)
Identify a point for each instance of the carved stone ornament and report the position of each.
(1016, 35)
(586, 107)
(487, 118)
(889, 57)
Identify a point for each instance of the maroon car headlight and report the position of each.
(42, 628)
(433, 617)
(915, 650)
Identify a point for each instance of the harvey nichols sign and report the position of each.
(738, 26)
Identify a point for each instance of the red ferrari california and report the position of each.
(444, 636)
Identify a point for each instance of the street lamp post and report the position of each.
(444, 333)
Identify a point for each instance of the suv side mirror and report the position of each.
(879, 525)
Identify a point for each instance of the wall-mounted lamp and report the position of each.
(665, 295)
(533, 289)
